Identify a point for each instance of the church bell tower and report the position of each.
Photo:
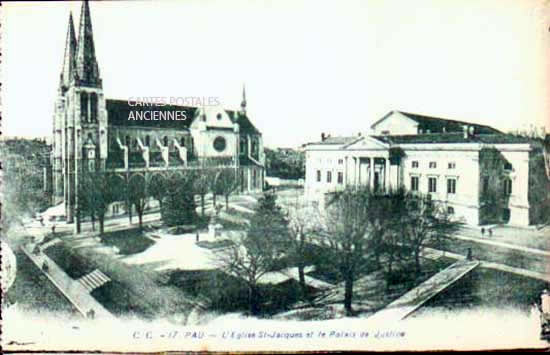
(80, 122)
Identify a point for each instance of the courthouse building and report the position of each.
(459, 164)
(92, 132)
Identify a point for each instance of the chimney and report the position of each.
(323, 137)
(465, 130)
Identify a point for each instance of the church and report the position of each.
(93, 133)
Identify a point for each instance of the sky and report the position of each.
(308, 66)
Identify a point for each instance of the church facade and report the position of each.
(93, 133)
(478, 173)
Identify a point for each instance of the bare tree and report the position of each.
(347, 234)
(426, 223)
(202, 185)
(257, 251)
(227, 183)
(98, 191)
(215, 186)
(137, 194)
(304, 226)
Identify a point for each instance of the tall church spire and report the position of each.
(67, 71)
(86, 63)
(243, 102)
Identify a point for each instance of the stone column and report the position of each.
(387, 174)
(371, 173)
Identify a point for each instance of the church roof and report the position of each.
(441, 125)
(118, 112)
(245, 126)
(448, 138)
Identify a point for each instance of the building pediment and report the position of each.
(366, 143)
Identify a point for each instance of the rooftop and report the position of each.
(441, 125)
(435, 138)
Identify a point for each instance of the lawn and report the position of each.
(34, 292)
(216, 244)
(226, 293)
(130, 241)
(486, 287)
(68, 260)
(119, 300)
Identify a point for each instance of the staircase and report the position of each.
(94, 280)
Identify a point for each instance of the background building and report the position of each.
(480, 174)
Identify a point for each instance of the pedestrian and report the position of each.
(469, 254)
(197, 237)
(91, 314)
(490, 232)
(53, 229)
(482, 231)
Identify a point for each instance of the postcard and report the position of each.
(275, 175)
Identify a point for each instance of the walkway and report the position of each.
(436, 254)
(280, 276)
(75, 292)
(503, 245)
(415, 298)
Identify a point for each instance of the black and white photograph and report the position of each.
(275, 175)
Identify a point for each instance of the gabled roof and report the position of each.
(337, 140)
(440, 125)
(438, 138)
(245, 125)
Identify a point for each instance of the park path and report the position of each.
(502, 245)
(415, 298)
(280, 276)
(75, 292)
(436, 254)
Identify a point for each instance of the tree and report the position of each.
(304, 225)
(426, 223)
(137, 195)
(178, 206)
(347, 234)
(97, 191)
(22, 180)
(384, 220)
(227, 183)
(202, 184)
(157, 188)
(215, 186)
(257, 251)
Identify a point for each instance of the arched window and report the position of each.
(127, 141)
(84, 106)
(182, 143)
(507, 187)
(93, 107)
(255, 148)
(243, 147)
(147, 140)
(165, 141)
